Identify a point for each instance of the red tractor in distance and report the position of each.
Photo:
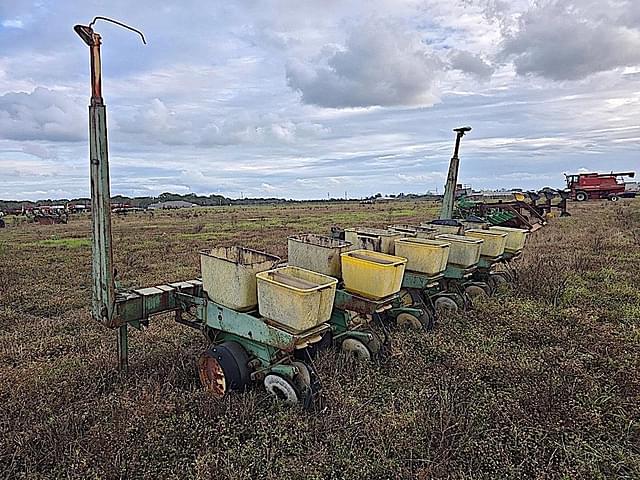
(585, 186)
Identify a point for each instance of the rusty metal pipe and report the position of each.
(96, 72)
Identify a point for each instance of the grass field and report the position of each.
(540, 382)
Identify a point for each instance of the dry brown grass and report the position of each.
(540, 382)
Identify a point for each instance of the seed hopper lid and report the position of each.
(373, 231)
(486, 232)
(375, 257)
(241, 255)
(425, 241)
(458, 238)
(320, 240)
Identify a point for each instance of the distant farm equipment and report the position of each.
(545, 208)
(531, 209)
(631, 189)
(528, 210)
(124, 208)
(516, 213)
(510, 209)
(77, 208)
(48, 215)
(587, 186)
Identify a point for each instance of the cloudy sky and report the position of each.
(305, 98)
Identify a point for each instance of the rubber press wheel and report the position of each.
(413, 299)
(282, 388)
(357, 349)
(308, 384)
(374, 344)
(509, 275)
(223, 368)
(445, 305)
(413, 322)
(499, 281)
(487, 289)
(303, 378)
(474, 292)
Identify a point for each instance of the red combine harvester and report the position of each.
(585, 186)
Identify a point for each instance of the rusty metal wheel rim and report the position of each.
(212, 375)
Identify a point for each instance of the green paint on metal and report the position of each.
(246, 326)
(265, 354)
(339, 322)
(420, 280)
(394, 312)
(362, 335)
(486, 263)
(285, 370)
(348, 301)
(103, 291)
(454, 272)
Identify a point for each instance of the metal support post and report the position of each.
(103, 272)
(452, 177)
(123, 348)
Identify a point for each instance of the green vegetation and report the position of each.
(64, 242)
(540, 382)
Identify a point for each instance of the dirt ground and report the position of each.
(542, 381)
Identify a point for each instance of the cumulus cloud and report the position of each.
(468, 62)
(159, 123)
(269, 128)
(380, 64)
(41, 115)
(164, 124)
(567, 40)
